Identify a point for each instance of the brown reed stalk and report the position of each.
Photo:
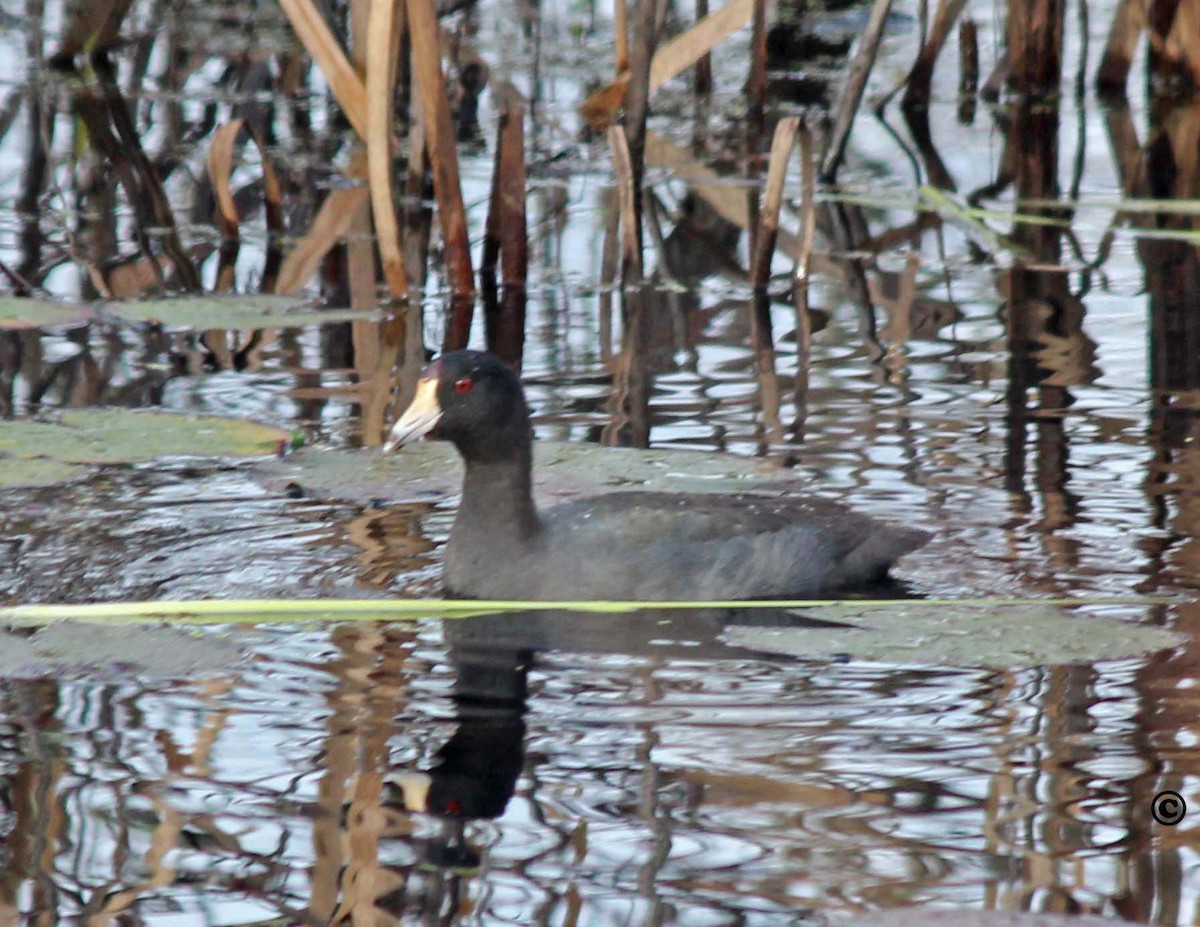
(852, 91)
(220, 167)
(621, 35)
(633, 381)
(702, 82)
(1035, 45)
(220, 170)
(514, 246)
(968, 70)
(272, 215)
(443, 157)
(506, 238)
(609, 262)
(761, 335)
(380, 81)
(693, 46)
(968, 57)
(756, 83)
(768, 231)
(763, 345)
(383, 43)
(631, 239)
(800, 280)
(418, 216)
(916, 93)
(362, 268)
(1128, 23)
(637, 98)
(418, 226)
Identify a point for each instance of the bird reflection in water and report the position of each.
(430, 847)
(475, 772)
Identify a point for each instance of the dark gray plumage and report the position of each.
(630, 545)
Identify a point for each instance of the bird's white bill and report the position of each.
(418, 419)
(414, 786)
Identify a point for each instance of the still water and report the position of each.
(1029, 397)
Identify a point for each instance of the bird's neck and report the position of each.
(499, 494)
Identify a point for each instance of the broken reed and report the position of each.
(506, 240)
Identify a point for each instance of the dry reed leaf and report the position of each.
(443, 158)
(686, 49)
(673, 58)
(220, 169)
(329, 227)
(623, 171)
(381, 51)
(326, 52)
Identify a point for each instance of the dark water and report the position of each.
(1031, 400)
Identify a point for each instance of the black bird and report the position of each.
(632, 545)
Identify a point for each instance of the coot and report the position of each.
(629, 545)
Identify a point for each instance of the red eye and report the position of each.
(464, 385)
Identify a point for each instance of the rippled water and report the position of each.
(647, 789)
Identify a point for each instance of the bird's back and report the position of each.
(664, 546)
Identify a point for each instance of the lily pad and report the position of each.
(561, 470)
(239, 313)
(68, 648)
(37, 471)
(42, 453)
(955, 635)
(22, 312)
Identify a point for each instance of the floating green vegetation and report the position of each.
(71, 648)
(1029, 633)
(240, 313)
(23, 312)
(36, 453)
(197, 313)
